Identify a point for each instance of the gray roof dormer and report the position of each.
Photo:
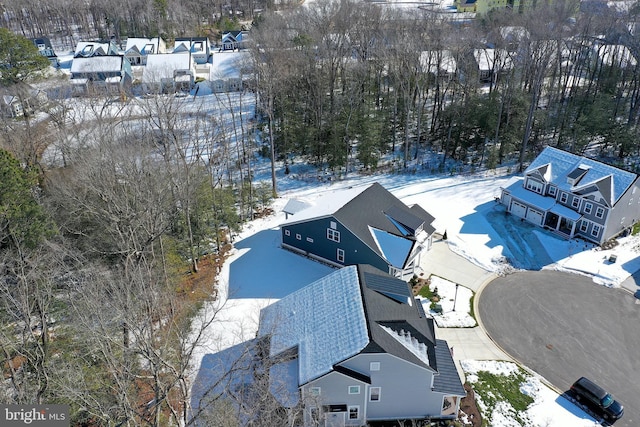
(574, 177)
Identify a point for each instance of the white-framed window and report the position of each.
(287, 232)
(588, 207)
(315, 391)
(340, 255)
(374, 366)
(584, 225)
(333, 235)
(599, 212)
(595, 231)
(553, 190)
(354, 389)
(298, 237)
(374, 394)
(354, 412)
(575, 202)
(534, 186)
(309, 239)
(333, 225)
(564, 197)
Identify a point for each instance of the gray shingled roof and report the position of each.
(371, 208)
(612, 181)
(447, 381)
(384, 311)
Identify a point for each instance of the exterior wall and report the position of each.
(313, 240)
(405, 389)
(334, 390)
(625, 213)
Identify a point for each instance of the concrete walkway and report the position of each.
(467, 343)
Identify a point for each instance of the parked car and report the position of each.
(596, 398)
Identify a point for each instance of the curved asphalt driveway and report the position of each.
(563, 326)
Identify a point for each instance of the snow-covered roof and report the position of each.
(324, 320)
(327, 204)
(144, 46)
(434, 62)
(561, 164)
(616, 54)
(486, 59)
(97, 64)
(162, 66)
(94, 48)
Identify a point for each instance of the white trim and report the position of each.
(356, 391)
(374, 366)
(379, 394)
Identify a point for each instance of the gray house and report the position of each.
(369, 226)
(351, 348)
(574, 196)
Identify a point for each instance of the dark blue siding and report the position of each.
(355, 251)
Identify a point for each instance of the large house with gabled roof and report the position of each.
(574, 196)
(350, 348)
(360, 226)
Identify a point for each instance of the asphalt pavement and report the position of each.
(564, 326)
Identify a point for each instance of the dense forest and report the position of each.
(107, 255)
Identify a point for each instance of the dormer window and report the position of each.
(576, 175)
(87, 50)
(534, 186)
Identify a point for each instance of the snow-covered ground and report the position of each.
(259, 271)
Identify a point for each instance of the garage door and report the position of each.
(534, 216)
(518, 209)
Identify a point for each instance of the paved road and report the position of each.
(564, 326)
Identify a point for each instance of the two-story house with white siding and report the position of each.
(350, 348)
(575, 196)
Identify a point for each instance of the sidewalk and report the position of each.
(467, 343)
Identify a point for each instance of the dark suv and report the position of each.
(601, 402)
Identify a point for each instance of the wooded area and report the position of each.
(101, 254)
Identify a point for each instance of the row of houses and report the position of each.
(490, 62)
(103, 66)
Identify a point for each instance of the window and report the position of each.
(374, 394)
(595, 231)
(588, 208)
(584, 225)
(374, 366)
(599, 212)
(534, 186)
(575, 202)
(299, 237)
(553, 190)
(354, 389)
(354, 412)
(333, 225)
(563, 198)
(309, 239)
(315, 391)
(340, 255)
(333, 235)
(287, 232)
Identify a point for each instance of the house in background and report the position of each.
(369, 226)
(198, 47)
(44, 47)
(439, 63)
(95, 48)
(169, 73)
(21, 99)
(233, 40)
(138, 49)
(103, 73)
(575, 196)
(613, 55)
(351, 348)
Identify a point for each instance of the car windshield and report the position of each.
(607, 401)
